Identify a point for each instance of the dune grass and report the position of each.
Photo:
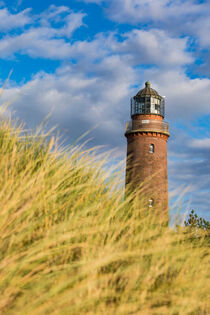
(71, 244)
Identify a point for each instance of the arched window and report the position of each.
(151, 202)
(151, 148)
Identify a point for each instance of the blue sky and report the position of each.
(85, 59)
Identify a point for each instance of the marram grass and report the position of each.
(70, 244)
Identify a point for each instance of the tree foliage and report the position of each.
(194, 221)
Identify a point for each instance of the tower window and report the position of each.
(157, 108)
(151, 202)
(151, 148)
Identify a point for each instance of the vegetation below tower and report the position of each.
(70, 244)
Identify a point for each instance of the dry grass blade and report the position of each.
(70, 243)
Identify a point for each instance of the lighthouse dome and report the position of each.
(147, 101)
(147, 91)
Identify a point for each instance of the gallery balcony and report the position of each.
(157, 126)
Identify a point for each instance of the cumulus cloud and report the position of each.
(189, 168)
(47, 38)
(96, 88)
(201, 28)
(48, 43)
(189, 18)
(186, 98)
(135, 11)
(201, 143)
(53, 13)
(154, 46)
(10, 21)
(73, 21)
(69, 20)
(35, 43)
(79, 101)
(100, 91)
(42, 38)
(92, 1)
(136, 47)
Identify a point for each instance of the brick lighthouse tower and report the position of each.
(147, 134)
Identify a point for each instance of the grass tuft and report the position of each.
(70, 243)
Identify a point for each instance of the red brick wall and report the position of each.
(146, 169)
(147, 116)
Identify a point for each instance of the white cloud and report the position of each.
(99, 93)
(189, 167)
(178, 17)
(10, 21)
(135, 11)
(73, 21)
(63, 15)
(137, 47)
(92, 1)
(186, 98)
(35, 43)
(155, 47)
(96, 90)
(201, 29)
(80, 101)
(201, 143)
(53, 13)
(101, 62)
(43, 39)
(47, 42)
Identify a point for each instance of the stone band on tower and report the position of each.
(147, 135)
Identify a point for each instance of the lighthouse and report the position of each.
(147, 134)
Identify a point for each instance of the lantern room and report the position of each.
(147, 101)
